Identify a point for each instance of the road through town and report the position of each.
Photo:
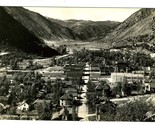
(83, 109)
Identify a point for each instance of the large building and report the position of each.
(130, 77)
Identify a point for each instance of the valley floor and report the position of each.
(78, 45)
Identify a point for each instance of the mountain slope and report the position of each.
(40, 25)
(138, 28)
(87, 30)
(14, 34)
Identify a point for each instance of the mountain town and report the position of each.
(76, 70)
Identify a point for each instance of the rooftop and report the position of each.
(55, 68)
(118, 74)
(99, 87)
(41, 101)
(66, 97)
(3, 53)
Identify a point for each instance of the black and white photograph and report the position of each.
(77, 64)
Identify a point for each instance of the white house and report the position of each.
(23, 106)
(152, 55)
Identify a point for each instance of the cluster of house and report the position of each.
(73, 75)
(95, 74)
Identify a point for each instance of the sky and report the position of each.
(94, 14)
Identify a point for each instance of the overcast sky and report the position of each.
(95, 14)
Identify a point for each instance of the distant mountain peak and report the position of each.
(40, 25)
(139, 25)
(87, 29)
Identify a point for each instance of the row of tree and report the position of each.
(134, 60)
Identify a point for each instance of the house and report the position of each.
(95, 71)
(73, 92)
(52, 73)
(152, 55)
(55, 68)
(68, 83)
(3, 71)
(4, 53)
(23, 65)
(53, 76)
(86, 78)
(22, 107)
(50, 70)
(139, 72)
(73, 69)
(106, 70)
(146, 83)
(66, 100)
(94, 49)
(74, 73)
(115, 50)
(49, 96)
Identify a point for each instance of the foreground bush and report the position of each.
(131, 111)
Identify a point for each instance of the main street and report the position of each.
(83, 109)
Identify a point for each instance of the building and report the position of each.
(115, 50)
(2, 74)
(51, 70)
(23, 65)
(4, 53)
(152, 55)
(148, 84)
(68, 83)
(73, 92)
(139, 72)
(121, 67)
(53, 76)
(22, 107)
(130, 77)
(106, 70)
(66, 100)
(95, 71)
(74, 73)
(71, 67)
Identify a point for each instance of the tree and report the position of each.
(118, 89)
(129, 111)
(27, 77)
(43, 110)
(91, 96)
(106, 89)
(58, 91)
